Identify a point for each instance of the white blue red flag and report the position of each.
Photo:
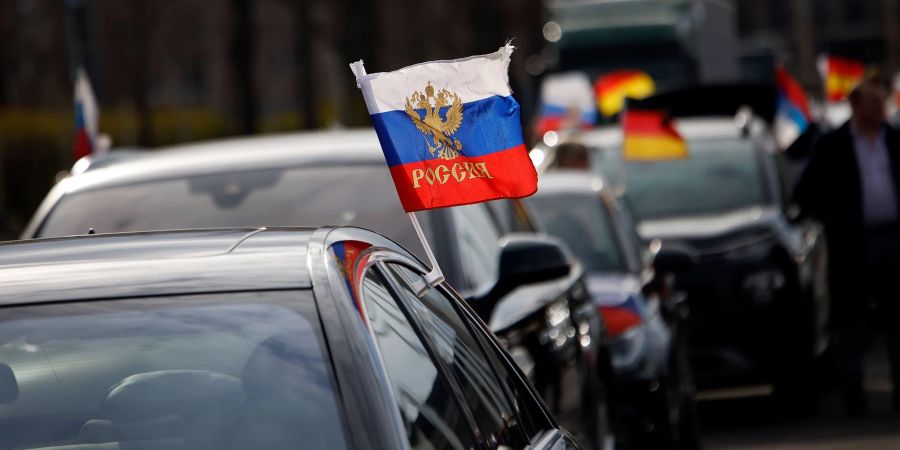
(450, 131)
(86, 116)
(567, 103)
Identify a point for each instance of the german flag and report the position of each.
(841, 76)
(650, 136)
(613, 88)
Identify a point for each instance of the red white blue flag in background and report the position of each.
(86, 117)
(450, 131)
(567, 103)
(792, 116)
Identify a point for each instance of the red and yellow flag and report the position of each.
(613, 88)
(841, 76)
(649, 136)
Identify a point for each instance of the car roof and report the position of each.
(713, 127)
(559, 181)
(234, 154)
(159, 263)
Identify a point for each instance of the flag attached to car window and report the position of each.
(450, 131)
(566, 103)
(650, 135)
(841, 76)
(613, 88)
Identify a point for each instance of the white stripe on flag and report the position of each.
(473, 78)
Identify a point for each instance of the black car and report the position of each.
(253, 338)
(758, 295)
(551, 328)
(646, 321)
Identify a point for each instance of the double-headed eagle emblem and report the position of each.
(438, 130)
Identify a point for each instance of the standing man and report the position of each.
(851, 186)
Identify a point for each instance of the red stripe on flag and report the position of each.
(792, 90)
(82, 145)
(440, 183)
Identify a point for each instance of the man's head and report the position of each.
(868, 103)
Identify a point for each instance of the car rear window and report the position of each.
(224, 371)
(360, 195)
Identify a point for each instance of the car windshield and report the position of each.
(718, 176)
(361, 195)
(583, 223)
(224, 371)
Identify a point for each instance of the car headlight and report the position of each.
(559, 328)
(628, 349)
(760, 286)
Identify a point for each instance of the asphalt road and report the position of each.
(756, 423)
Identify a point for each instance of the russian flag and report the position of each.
(86, 116)
(450, 131)
(792, 115)
(567, 103)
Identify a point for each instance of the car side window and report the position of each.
(432, 417)
(456, 343)
(479, 246)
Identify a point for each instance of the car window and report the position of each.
(293, 196)
(222, 371)
(431, 416)
(584, 224)
(671, 188)
(479, 246)
(461, 350)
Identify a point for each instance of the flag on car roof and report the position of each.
(86, 116)
(841, 76)
(792, 116)
(650, 135)
(613, 88)
(566, 103)
(450, 131)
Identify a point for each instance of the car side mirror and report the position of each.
(673, 259)
(9, 387)
(524, 259)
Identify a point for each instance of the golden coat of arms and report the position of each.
(438, 130)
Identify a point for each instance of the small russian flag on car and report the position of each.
(450, 131)
(86, 116)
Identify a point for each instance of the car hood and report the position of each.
(612, 289)
(526, 300)
(708, 225)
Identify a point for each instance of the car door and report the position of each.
(503, 410)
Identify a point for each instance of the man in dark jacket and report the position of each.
(851, 186)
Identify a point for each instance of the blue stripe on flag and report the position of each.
(489, 125)
(550, 110)
(792, 112)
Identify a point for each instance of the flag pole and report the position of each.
(435, 276)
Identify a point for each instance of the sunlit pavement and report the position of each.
(755, 423)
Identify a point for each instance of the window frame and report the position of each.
(537, 416)
(442, 369)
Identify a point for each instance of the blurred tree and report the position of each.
(140, 35)
(243, 41)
